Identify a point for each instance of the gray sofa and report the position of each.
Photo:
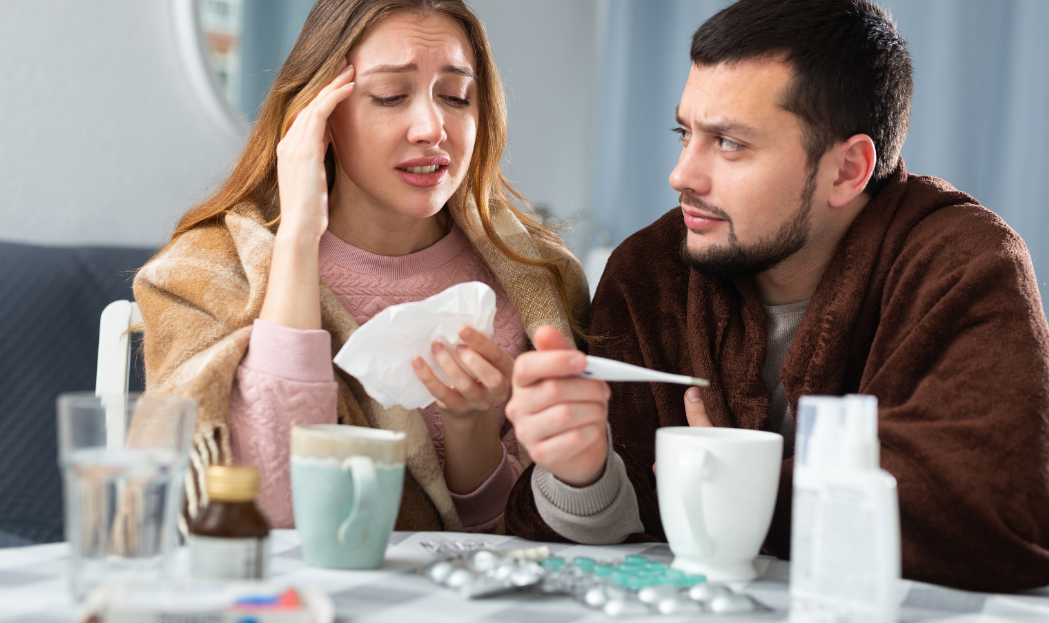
(50, 302)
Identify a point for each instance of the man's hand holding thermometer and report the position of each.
(560, 413)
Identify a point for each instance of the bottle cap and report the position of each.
(233, 483)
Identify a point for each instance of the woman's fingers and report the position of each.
(489, 350)
(461, 380)
(320, 108)
(445, 395)
(318, 111)
(484, 371)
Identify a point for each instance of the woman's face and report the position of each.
(405, 135)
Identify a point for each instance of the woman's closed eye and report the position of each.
(391, 100)
(458, 102)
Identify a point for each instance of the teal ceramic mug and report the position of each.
(346, 484)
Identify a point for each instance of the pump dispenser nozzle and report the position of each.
(860, 439)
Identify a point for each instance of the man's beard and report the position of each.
(739, 260)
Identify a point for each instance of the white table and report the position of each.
(34, 589)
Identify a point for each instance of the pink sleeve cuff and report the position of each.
(287, 353)
(481, 508)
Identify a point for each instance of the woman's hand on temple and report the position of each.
(301, 177)
(293, 292)
(479, 384)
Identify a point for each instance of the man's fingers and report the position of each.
(549, 338)
(695, 410)
(551, 392)
(562, 447)
(560, 419)
(532, 367)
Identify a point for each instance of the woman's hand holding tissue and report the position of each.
(559, 417)
(483, 384)
(480, 373)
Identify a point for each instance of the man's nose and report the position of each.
(427, 124)
(691, 175)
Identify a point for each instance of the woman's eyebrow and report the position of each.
(466, 72)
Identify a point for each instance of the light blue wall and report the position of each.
(980, 116)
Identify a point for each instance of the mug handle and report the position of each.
(697, 467)
(365, 492)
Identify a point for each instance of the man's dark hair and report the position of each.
(852, 72)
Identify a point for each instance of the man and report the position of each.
(805, 260)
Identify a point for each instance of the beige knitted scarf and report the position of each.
(200, 296)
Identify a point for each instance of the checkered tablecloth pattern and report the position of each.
(34, 589)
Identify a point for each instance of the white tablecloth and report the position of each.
(34, 588)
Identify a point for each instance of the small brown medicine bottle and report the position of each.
(229, 539)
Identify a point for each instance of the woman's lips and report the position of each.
(697, 221)
(424, 172)
(432, 175)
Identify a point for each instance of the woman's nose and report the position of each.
(427, 124)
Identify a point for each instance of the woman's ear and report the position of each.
(856, 158)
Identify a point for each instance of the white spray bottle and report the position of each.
(845, 534)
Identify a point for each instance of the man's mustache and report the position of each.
(695, 202)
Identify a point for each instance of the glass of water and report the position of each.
(123, 459)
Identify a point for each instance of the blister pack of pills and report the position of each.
(632, 586)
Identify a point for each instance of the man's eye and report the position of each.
(683, 133)
(728, 144)
(388, 101)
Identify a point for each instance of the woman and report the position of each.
(370, 178)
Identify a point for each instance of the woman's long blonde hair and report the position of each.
(332, 29)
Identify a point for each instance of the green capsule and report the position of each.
(584, 564)
(692, 580)
(553, 563)
(635, 559)
(674, 574)
(657, 565)
(629, 568)
(621, 577)
(635, 583)
(602, 570)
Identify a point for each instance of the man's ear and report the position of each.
(855, 160)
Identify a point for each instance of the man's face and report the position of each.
(746, 189)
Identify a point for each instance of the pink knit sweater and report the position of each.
(286, 378)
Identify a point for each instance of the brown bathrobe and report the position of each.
(931, 305)
(200, 296)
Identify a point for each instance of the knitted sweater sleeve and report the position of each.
(285, 380)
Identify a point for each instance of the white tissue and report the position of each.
(379, 354)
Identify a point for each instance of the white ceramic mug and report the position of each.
(717, 489)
